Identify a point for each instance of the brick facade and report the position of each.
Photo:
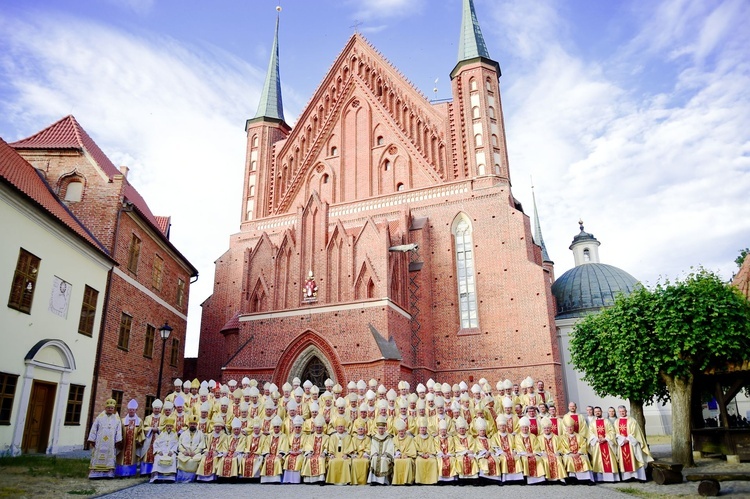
(370, 165)
(113, 211)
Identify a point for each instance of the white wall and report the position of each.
(62, 255)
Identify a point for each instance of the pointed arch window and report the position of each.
(467, 296)
(472, 84)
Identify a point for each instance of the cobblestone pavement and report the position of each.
(661, 452)
(186, 491)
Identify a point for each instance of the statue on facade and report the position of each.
(310, 291)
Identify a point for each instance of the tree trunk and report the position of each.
(636, 412)
(680, 392)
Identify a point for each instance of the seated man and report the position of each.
(252, 459)
(489, 467)
(551, 453)
(445, 453)
(381, 454)
(527, 446)
(190, 451)
(503, 444)
(206, 471)
(276, 447)
(230, 453)
(425, 464)
(165, 453)
(339, 447)
(634, 453)
(575, 453)
(360, 453)
(403, 457)
(314, 466)
(294, 459)
(467, 466)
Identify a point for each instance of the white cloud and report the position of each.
(369, 10)
(660, 176)
(174, 114)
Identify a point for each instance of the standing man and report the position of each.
(127, 460)
(634, 453)
(105, 436)
(602, 447)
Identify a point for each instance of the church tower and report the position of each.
(380, 238)
(263, 131)
(479, 129)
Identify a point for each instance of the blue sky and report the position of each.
(631, 115)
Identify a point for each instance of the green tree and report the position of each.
(741, 258)
(614, 363)
(675, 331)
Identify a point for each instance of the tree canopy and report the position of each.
(664, 336)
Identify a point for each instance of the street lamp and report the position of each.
(164, 332)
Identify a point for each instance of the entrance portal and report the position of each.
(39, 418)
(316, 372)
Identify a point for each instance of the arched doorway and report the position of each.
(315, 371)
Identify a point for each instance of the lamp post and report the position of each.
(164, 332)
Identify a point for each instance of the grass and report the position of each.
(82, 492)
(11, 492)
(50, 466)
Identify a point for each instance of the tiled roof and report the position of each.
(25, 178)
(163, 224)
(68, 134)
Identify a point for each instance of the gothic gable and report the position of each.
(362, 104)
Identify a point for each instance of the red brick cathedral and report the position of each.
(379, 237)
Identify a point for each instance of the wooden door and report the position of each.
(39, 417)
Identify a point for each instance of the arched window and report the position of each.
(251, 190)
(481, 169)
(472, 84)
(475, 112)
(380, 140)
(400, 187)
(586, 255)
(325, 178)
(492, 112)
(478, 142)
(334, 151)
(488, 85)
(255, 141)
(494, 140)
(253, 165)
(386, 165)
(74, 191)
(467, 296)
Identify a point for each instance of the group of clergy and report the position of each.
(437, 433)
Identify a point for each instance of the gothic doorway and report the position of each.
(316, 372)
(310, 363)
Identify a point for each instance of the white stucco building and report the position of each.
(53, 274)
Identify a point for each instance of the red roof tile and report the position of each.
(67, 133)
(163, 223)
(20, 174)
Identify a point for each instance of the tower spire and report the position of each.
(471, 44)
(538, 229)
(270, 105)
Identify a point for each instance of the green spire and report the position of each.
(471, 44)
(538, 230)
(270, 105)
